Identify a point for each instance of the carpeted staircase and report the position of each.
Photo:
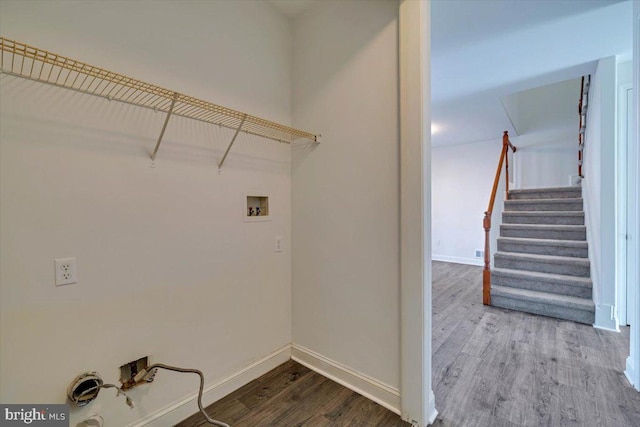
(542, 263)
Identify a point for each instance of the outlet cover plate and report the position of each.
(66, 273)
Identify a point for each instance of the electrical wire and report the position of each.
(149, 372)
(147, 375)
(97, 389)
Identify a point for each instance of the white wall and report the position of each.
(462, 179)
(546, 107)
(598, 189)
(345, 191)
(547, 124)
(624, 70)
(546, 158)
(166, 266)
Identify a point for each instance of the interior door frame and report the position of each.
(623, 163)
(632, 371)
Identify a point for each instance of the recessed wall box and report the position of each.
(128, 372)
(256, 208)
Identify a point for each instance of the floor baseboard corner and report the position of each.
(383, 394)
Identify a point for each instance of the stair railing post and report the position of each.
(505, 142)
(486, 273)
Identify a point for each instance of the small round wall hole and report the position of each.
(84, 388)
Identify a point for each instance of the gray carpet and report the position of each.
(542, 263)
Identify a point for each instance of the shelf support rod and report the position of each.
(235, 135)
(164, 126)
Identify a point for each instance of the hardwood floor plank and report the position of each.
(441, 358)
(323, 398)
(462, 368)
(273, 383)
(286, 403)
(229, 410)
(359, 411)
(571, 411)
(317, 421)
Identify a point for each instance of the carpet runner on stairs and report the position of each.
(542, 263)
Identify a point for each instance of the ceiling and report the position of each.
(484, 51)
(456, 23)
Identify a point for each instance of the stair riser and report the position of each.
(573, 314)
(524, 248)
(540, 286)
(543, 220)
(544, 234)
(572, 206)
(569, 269)
(545, 195)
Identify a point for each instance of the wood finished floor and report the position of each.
(495, 367)
(292, 395)
(491, 367)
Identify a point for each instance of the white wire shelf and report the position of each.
(22, 60)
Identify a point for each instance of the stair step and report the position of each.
(543, 231)
(543, 217)
(546, 193)
(558, 306)
(543, 205)
(565, 248)
(561, 284)
(543, 263)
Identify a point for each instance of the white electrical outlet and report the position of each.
(66, 271)
(278, 247)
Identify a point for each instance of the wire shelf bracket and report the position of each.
(235, 135)
(164, 127)
(21, 60)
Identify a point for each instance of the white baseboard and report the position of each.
(605, 318)
(178, 411)
(430, 416)
(433, 414)
(458, 260)
(381, 393)
(631, 374)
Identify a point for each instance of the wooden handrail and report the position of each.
(580, 128)
(486, 223)
(583, 105)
